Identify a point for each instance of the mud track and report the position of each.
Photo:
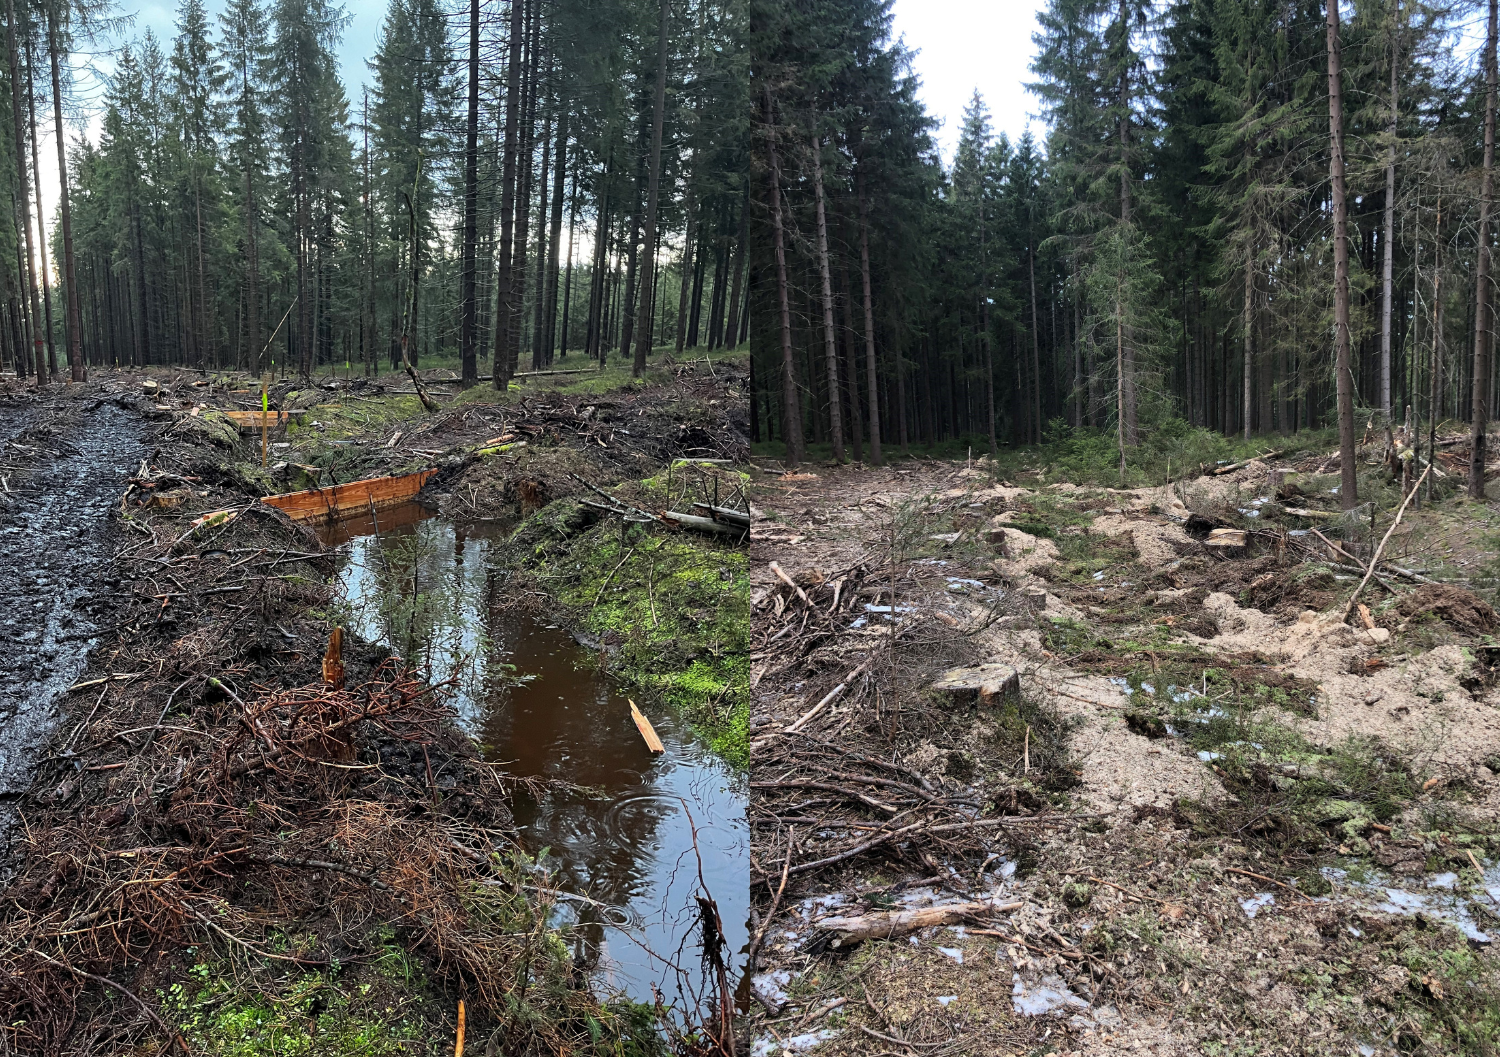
(72, 456)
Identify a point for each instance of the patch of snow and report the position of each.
(1252, 906)
(1047, 995)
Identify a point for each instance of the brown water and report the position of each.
(535, 699)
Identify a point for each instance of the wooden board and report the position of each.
(252, 419)
(648, 732)
(349, 498)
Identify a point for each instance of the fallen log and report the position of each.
(837, 932)
(726, 514)
(702, 524)
(1217, 471)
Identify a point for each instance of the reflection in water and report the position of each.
(533, 698)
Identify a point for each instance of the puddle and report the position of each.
(533, 698)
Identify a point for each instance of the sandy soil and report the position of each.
(1207, 945)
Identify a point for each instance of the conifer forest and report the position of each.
(695, 528)
(1253, 218)
(504, 192)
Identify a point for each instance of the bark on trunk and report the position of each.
(791, 416)
(23, 194)
(864, 275)
(1349, 486)
(653, 191)
(1483, 314)
(70, 270)
(1389, 235)
(468, 309)
(830, 351)
(500, 366)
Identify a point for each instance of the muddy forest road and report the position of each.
(64, 458)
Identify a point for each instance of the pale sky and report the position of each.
(967, 44)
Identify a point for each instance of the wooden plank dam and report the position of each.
(349, 498)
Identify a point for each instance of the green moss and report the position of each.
(309, 1014)
(674, 607)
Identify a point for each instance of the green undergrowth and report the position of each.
(230, 1001)
(672, 608)
(1170, 448)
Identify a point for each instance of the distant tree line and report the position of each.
(1168, 257)
(522, 180)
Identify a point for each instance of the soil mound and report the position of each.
(1463, 609)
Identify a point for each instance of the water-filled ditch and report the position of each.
(632, 838)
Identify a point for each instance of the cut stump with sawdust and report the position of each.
(983, 684)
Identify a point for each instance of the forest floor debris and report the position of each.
(214, 844)
(1231, 819)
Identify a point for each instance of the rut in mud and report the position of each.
(56, 529)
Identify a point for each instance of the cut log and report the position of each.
(648, 732)
(1218, 471)
(1324, 515)
(983, 684)
(702, 524)
(347, 498)
(835, 932)
(728, 515)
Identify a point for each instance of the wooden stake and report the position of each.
(648, 732)
(458, 1047)
(265, 404)
(333, 660)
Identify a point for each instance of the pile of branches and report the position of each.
(208, 790)
(835, 790)
(327, 806)
(847, 804)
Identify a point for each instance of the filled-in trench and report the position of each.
(633, 839)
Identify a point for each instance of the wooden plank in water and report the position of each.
(349, 498)
(648, 732)
(252, 419)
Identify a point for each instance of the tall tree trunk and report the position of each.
(688, 241)
(1349, 486)
(1125, 355)
(559, 184)
(1389, 233)
(1436, 384)
(736, 268)
(831, 356)
(543, 251)
(864, 277)
(367, 302)
(1036, 347)
(41, 230)
(70, 272)
(500, 368)
(1249, 330)
(1479, 425)
(567, 296)
(520, 268)
(23, 192)
(653, 190)
(791, 415)
(468, 302)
